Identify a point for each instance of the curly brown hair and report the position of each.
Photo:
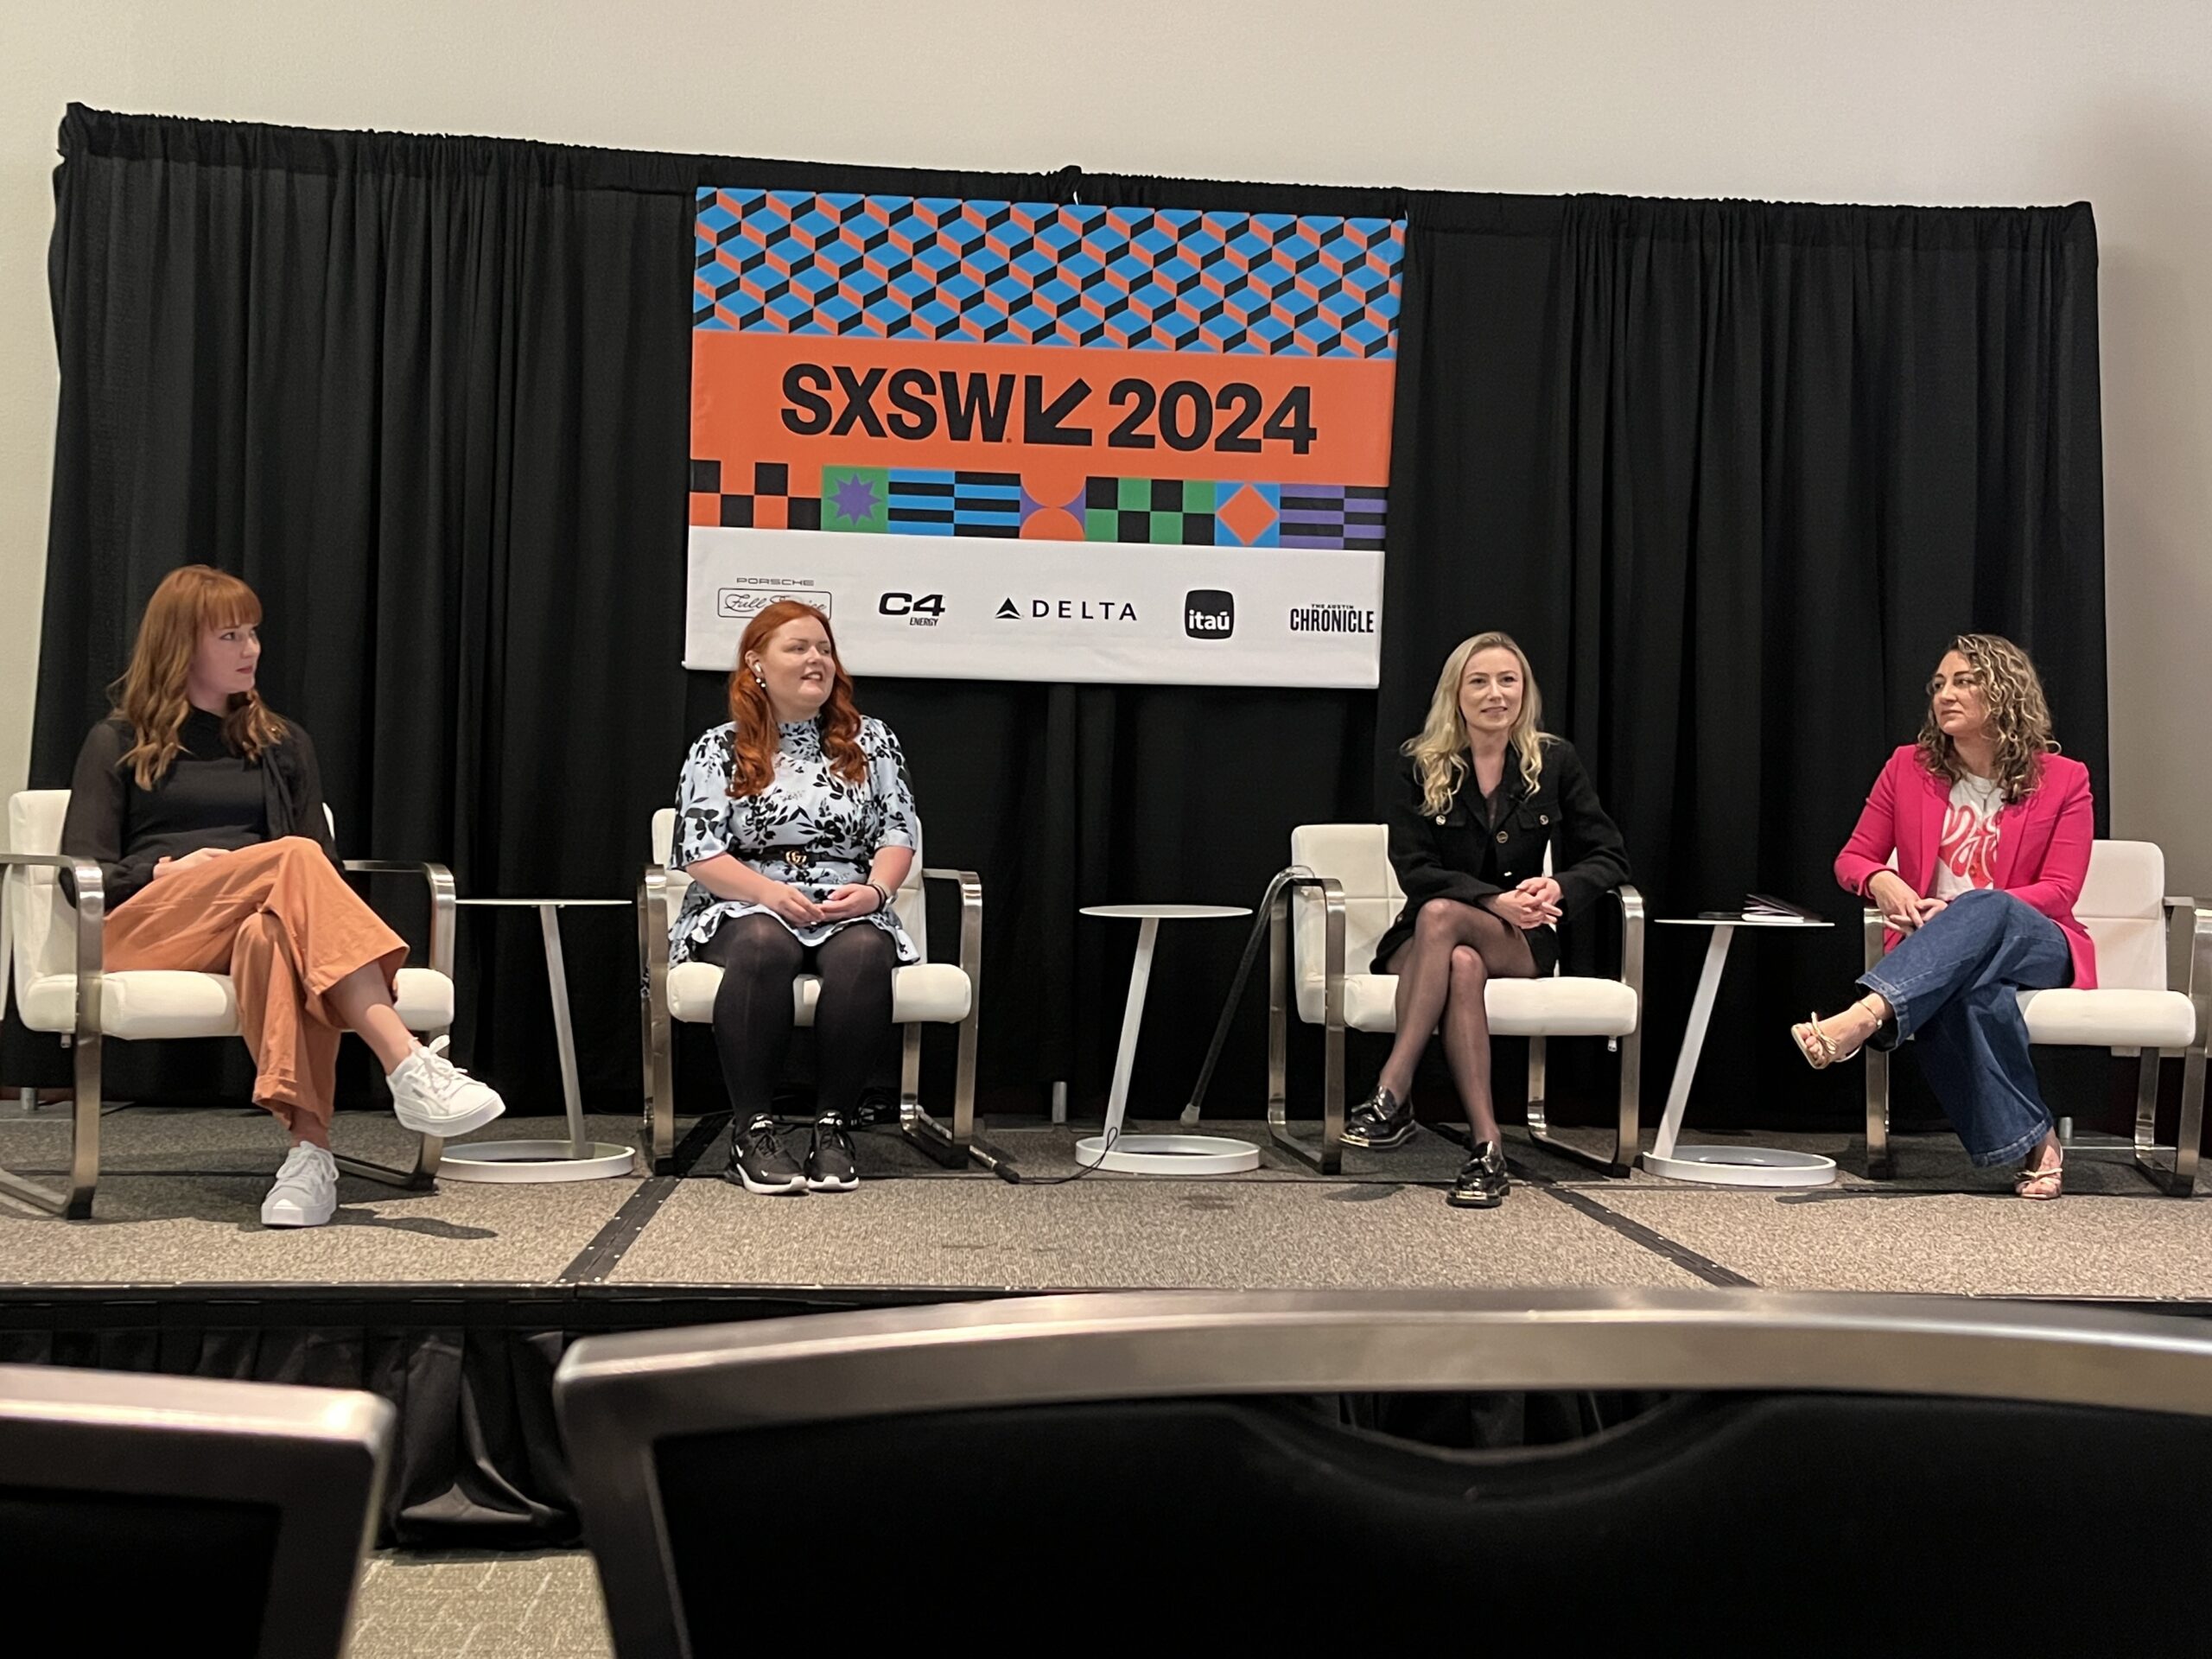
(2018, 720)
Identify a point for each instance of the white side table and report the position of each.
(1724, 1166)
(1156, 1154)
(576, 1159)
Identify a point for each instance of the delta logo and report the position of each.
(1065, 610)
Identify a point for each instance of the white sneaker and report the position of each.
(306, 1193)
(432, 1096)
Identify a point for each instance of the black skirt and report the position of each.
(1543, 943)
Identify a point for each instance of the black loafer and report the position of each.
(1379, 1122)
(1483, 1182)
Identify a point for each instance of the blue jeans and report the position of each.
(1951, 986)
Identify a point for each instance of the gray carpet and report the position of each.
(542, 1605)
(153, 1229)
(181, 1197)
(1098, 1234)
(239, 1140)
(1046, 1151)
(1979, 1244)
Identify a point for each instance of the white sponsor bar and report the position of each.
(971, 608)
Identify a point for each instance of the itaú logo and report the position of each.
(1065, 610)
(1209, 613)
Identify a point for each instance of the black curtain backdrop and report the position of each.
(1732, 472)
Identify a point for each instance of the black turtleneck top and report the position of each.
(210, 797)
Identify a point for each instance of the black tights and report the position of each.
(1443, 972)
(753, 1011)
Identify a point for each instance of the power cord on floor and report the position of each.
(1111, 1137)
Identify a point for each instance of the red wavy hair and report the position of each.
(752, 744)
(191, 601)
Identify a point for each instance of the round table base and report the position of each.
(1169, 1154)
(517, 1162)
(1743, 1167)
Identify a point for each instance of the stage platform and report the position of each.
(177, 1223)
(457, 1304)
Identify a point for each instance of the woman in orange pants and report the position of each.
(203, 811)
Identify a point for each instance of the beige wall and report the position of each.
(1934, 101)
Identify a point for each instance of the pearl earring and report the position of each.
(758, 679)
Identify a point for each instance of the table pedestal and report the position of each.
(1154, 1155)
(1721, 1166)
(577, 1157)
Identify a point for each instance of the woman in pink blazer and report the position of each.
(1990, 829)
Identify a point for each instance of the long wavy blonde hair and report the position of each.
(1440, 752)
(2018, 718)
(193, 601)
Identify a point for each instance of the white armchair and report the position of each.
(53, 956)
(1339, 897)
(922, 993)
(2154, 974)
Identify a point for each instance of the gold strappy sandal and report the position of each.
(2041, 1184)
(1822, 1050)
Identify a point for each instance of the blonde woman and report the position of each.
(1484, 792)
(1991, 831)
(203, 811)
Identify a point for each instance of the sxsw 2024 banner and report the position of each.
(1020, 441)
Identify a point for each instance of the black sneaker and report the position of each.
(1482, 1183)
(830, 1157)
(758, 1162)
(1380, 1122)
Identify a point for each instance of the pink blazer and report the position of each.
(2043, 842)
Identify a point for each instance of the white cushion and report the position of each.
(1559, 1007)
(924, 992)
(147, 1004)
(1359, 856)
(2123, 908)
(2103, 1019)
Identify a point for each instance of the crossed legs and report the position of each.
(1444, 972)
(1951, 985)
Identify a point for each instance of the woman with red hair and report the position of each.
(795, 824)
(203, 811)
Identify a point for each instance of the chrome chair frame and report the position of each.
(2189, 969)
(954, 1144)
(74, 1203)
(1327, 1157)
(618, 1396)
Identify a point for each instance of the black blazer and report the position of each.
(1436, 855)
(98, 825)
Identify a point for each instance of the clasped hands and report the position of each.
(846, 904)
(198, 855)
(1901, 908)
(1534, 903)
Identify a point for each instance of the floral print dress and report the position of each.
(809, 829)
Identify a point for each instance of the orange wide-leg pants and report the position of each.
(280, 920)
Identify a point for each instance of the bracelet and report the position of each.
(882, 896)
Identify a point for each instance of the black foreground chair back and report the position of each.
(1816, 1474)
(146, 1515)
